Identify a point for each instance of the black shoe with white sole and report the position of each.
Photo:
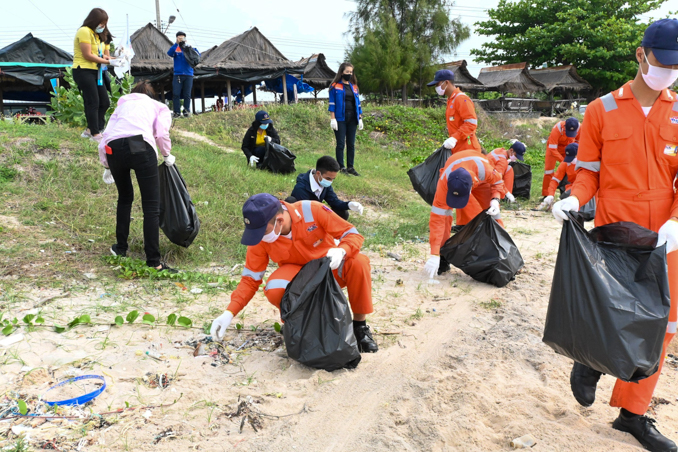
(118, 252)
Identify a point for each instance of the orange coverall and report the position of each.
(563, 170)
(500, 159)
(632, 161)
(485, 179)
(314, 228)
(462, 121)
(555, 152)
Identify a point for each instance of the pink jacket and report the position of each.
(138, 114)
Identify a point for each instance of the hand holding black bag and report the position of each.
(424, 177)
(178, 217)
(609, 305)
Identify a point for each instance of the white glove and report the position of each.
(668, 234)
(253, 161)
(169, 160)
(334, 125)
(450, 143)
(360, 124)
(337, 256)
(510, 197)
(218, 330)
(267, 139)
(494, 208)
(356, 207)
(108, 177)
(548, 201)
(566, 205)
(432, 265)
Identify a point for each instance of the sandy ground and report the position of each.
(461, 367)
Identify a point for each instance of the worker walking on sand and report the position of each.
(501, 158)
(629, 156)
(460, 115)
(292, 235)
(565, 169)
(562, 134)
(468, 183)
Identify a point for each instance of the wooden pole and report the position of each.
(2, 105)
(202, 94)
(228, 92)
(284, 88)
(296, 95)
(242, 92)
(162, 93)
(254, 94)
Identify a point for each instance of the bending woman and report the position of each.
(260, 133)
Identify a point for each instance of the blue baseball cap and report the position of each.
(571, 152)
(442, 75)
(459, 185)
(571, 127)
(519, 149)
(263, 117)
(662, 37)
(257, 211)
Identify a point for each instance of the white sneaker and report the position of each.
(97, 139)
(85, 134)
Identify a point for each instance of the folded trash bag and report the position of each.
(609, 305)
(318, 327)
(522, 181)
(484, 251)
(278, 159)
(178, 218)
(424, 177)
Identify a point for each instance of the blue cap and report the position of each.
(571, 127)
(519, 149)
(459, 185)
(662, 37)
(442, 75)
(263, 117)
(571, 152)
(257, 212)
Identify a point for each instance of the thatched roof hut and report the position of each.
(150, 51)
(316, 71)
(513, 78)
(560, 79)
(462, 77)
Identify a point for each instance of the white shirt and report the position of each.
(646, 110)
(315, 186)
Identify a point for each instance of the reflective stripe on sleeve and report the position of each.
(498, 182)
(257, 276)
(276, 284)
(553, 146)
(549, 172)
(306, 210)
(350, 231)
(442, 212)
(471, 121)
(671, 329)
(675, 106)
(591, 166)
(479, 162)
(331, 103)
(608, 102)
(560, 127)
(556, 179)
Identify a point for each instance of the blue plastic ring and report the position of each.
(81, 400)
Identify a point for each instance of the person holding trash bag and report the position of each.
(562, 134)
(460, 115)
(565, 169)
(138, 127)
(316, 185)
(88, 57)
(260, 133)
(182, 80)
(463, 185)
(292, 235)
(346, 115)
(500, 158)
(628, 155)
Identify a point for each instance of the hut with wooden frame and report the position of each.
(509, 78)
(561, 80)
(462, 77)
(317, 73)
(150, 61)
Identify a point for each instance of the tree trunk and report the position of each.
(404, 94)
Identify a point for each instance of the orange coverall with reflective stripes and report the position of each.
(314, 228)
(632, 161)
(564, 169)
(555, 152)
(500, 159)
(485, 177)
(462, 121)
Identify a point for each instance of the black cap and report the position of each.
(263, 117)
(257, 211)
(571, 127)
(519, 149)
(662, 37)
(459, 185)
(442, 75)
(181, 33)
(571, 152)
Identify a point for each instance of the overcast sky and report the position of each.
(298, 28)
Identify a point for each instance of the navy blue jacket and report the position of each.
(338, 104)
(181, 66)
(302, 192)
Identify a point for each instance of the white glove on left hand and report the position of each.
(494, 208)
(218, 329)
(510, 197)
(431, 267)
(108, 177)
(566, 205)
(450, 143)
(668, 234)
(253, 161)
(546, 203)
(356, 207)
(337, 256)
(360, 124)
(267, 139)
(169, 160)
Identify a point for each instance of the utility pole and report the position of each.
(158, 24)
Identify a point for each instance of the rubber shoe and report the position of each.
(444, 266)
(583, 382)
(645, 431)
(116, 252)
(352, 172)
(366, 343)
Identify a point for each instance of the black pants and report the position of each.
(182, 86)
(144, 162)
(94, 97)
(346, 138)
(342, 213)
(259, 152)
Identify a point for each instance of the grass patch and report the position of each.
(492, 304)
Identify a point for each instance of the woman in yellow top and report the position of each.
(260, 133)
(89, 53)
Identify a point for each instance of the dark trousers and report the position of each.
(144, 162)
(94, 97)
(346, 138)
(342, 213)
(181, 89)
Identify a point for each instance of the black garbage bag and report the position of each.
(609, 305)
(484, 251)
(278, 159)
(562, 185)
(178, 218)
(192, 56)
(424, 177)
(587, 212)
(318, 327)
(522, 182)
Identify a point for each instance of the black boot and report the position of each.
(444, 266)
(644, 430)
(583, 381)
(363, 335)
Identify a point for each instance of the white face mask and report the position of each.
(658, 78)
(440, 90)
(272, 236)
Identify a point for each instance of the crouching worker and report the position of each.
(260, 133)
(465, 174)
(565, 169)
(501, 158)
(316, 185)
(292, 235)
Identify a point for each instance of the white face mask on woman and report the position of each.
(272, 236)
(658, 78)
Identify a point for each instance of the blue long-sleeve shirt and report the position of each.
(181, 66)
